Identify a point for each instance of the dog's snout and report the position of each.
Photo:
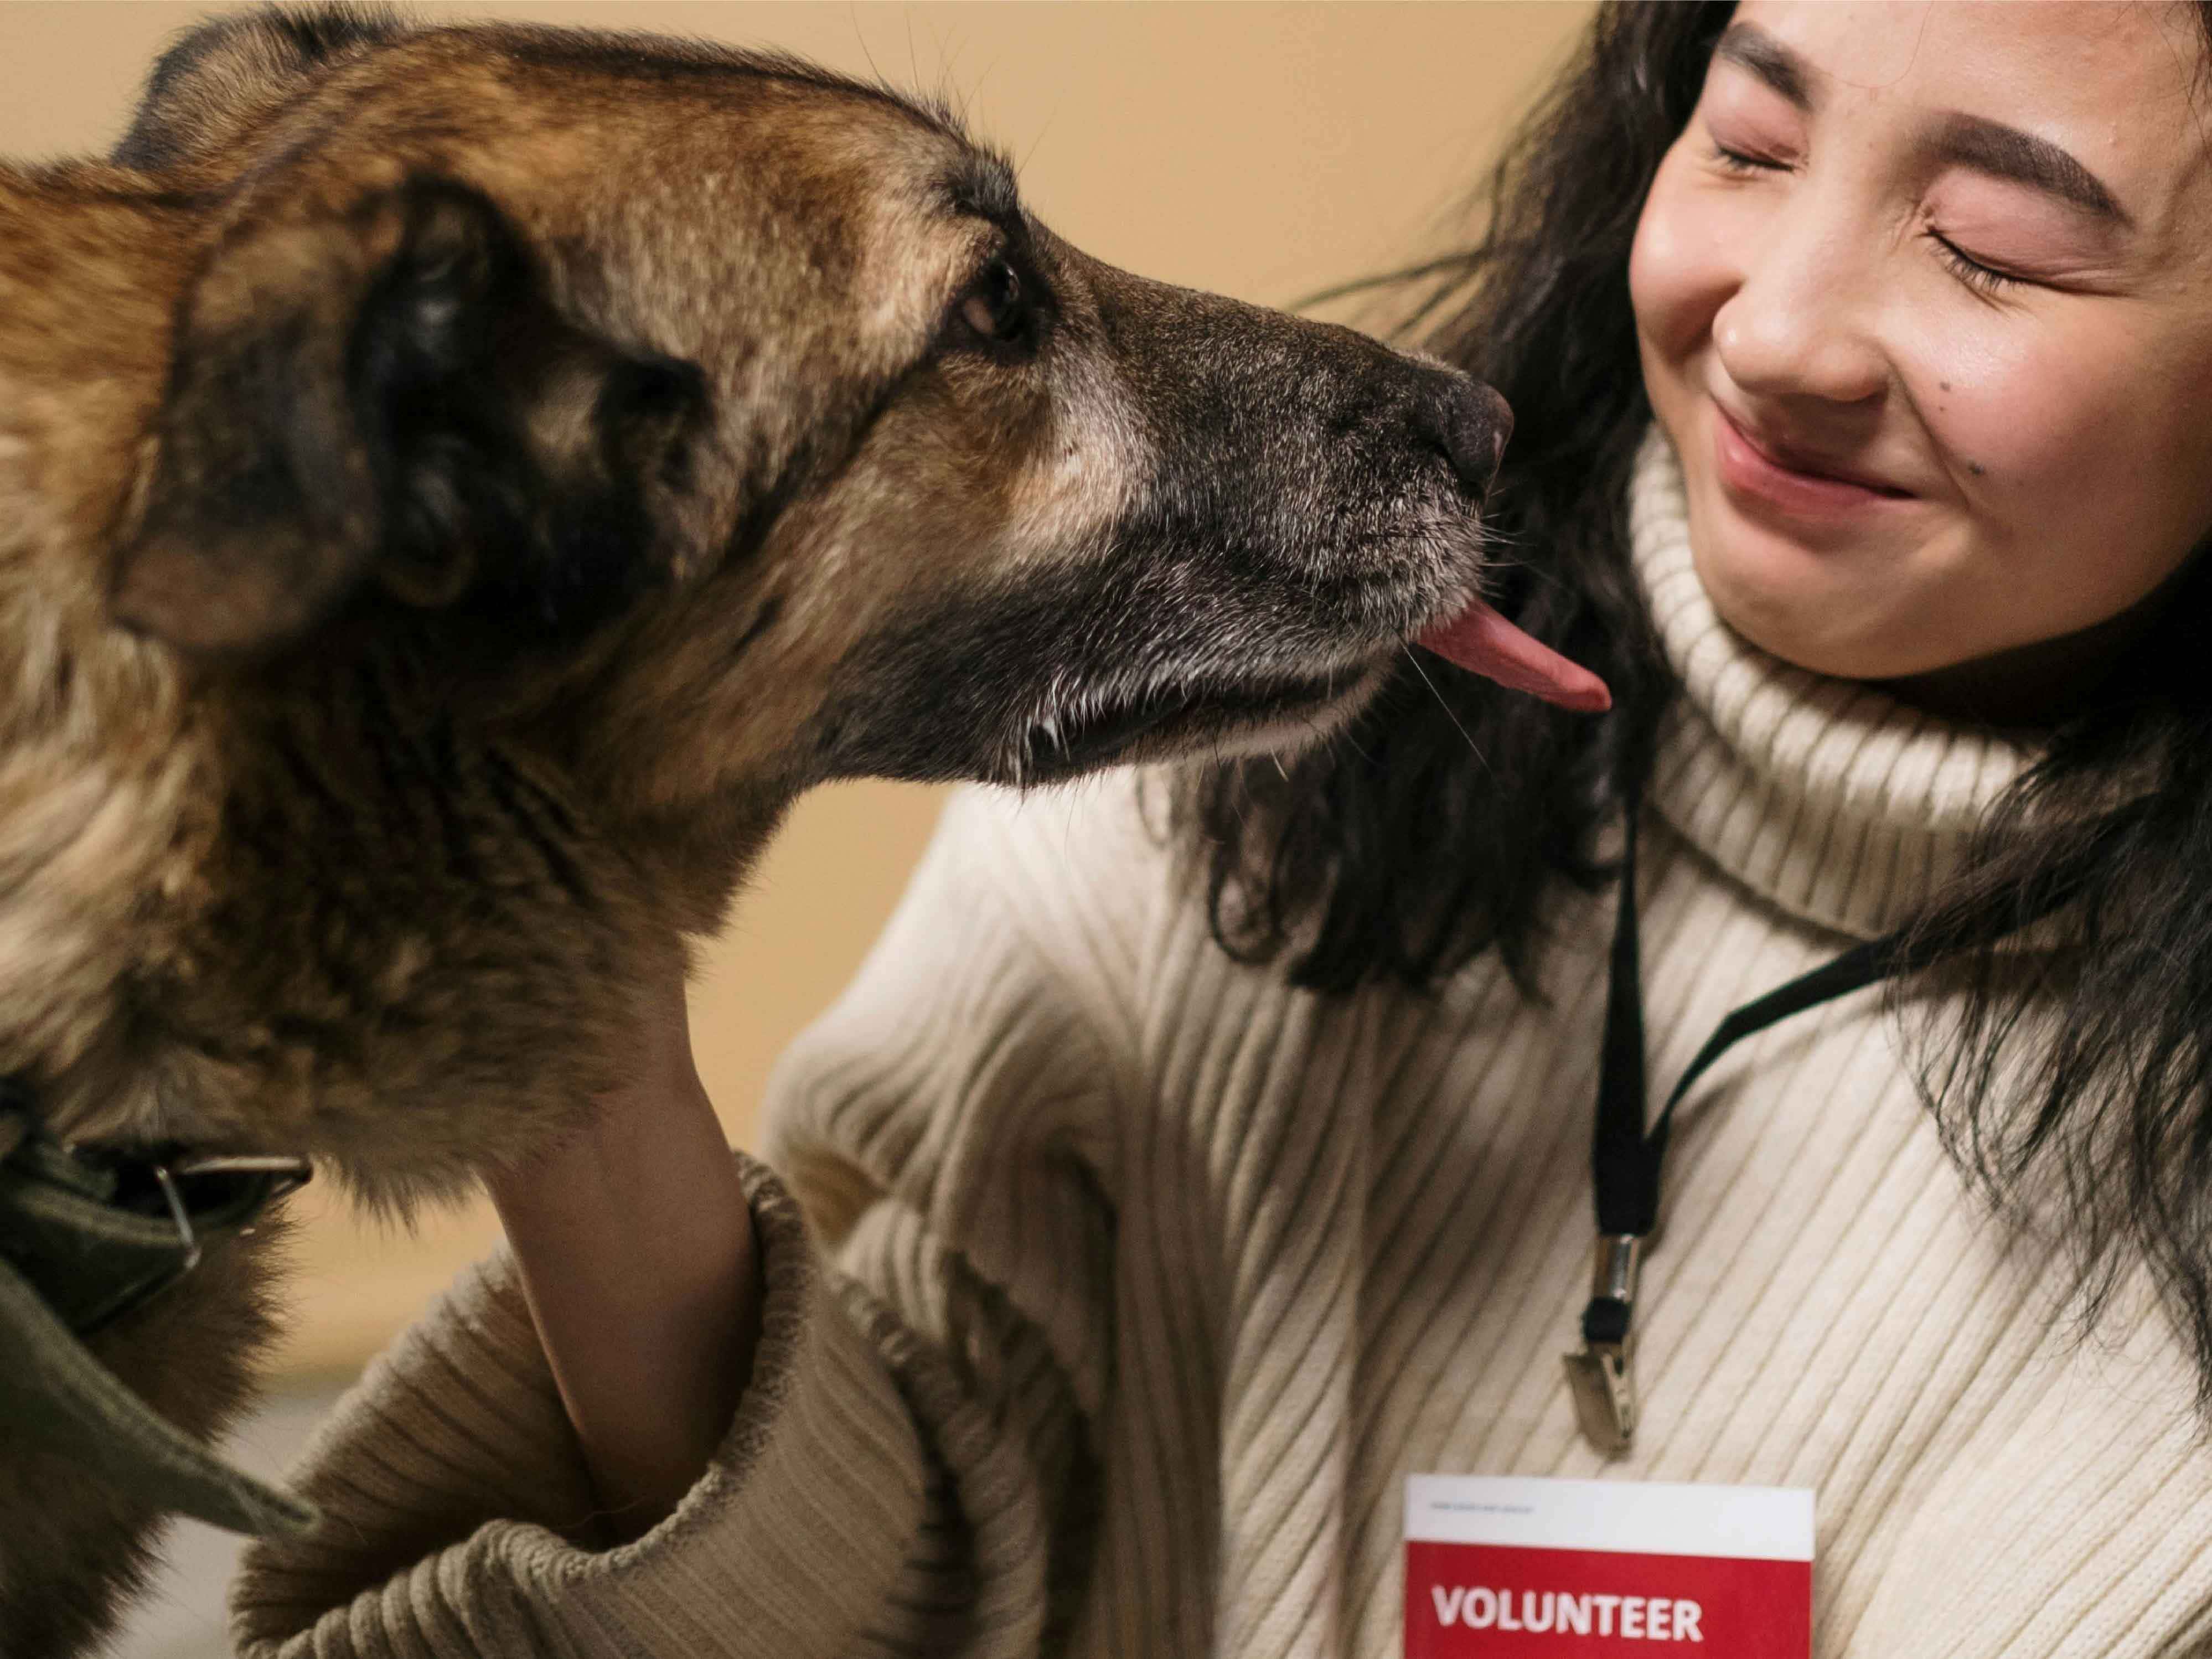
(1469, 422)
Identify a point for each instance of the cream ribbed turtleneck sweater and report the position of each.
(1131, 1284)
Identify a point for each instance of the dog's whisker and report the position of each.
(1449, 714)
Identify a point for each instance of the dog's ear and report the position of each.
(264, 509)
(223, 78)
(388, 396)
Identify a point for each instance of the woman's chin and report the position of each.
(1799, 622)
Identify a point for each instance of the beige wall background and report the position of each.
(1264, 150)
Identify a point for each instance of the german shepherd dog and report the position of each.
(458, 485)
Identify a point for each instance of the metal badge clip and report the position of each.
(1601, 1377)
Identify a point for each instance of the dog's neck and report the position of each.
(304, 906)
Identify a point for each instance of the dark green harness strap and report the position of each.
(85, 1237)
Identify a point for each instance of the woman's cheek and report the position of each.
(2079, 480)
(2009, 415)
(1680, 270)
(2043, 438)
(1650, 260)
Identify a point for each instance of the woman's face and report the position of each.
(1924, 299)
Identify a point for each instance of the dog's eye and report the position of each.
(999, 309)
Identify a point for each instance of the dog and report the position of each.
(458, 485)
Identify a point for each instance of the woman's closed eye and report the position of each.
(1995, 238)
(1731, 160)
(1982, 278)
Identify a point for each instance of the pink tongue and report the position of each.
(1483, 642)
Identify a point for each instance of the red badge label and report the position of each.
(1509, 1568)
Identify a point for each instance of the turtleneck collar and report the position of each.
(1832, 800)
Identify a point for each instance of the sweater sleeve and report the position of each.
(909, 1471)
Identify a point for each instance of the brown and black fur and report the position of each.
(458, 485)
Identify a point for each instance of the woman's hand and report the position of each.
(638, 1259)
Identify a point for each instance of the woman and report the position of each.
(1169, 1197)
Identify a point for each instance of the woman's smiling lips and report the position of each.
(1761, 474)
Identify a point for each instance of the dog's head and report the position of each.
(568, 447)
(742, 422)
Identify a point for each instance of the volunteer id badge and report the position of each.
(1511, 1568)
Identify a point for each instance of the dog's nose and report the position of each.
(1470, 423)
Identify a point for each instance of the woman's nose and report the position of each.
(1799, 324)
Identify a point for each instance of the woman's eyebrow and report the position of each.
(1751, 48)
(2003, 152)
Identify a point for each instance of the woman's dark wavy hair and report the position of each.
(1442, 823)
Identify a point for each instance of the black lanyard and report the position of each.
(1627, 1157)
